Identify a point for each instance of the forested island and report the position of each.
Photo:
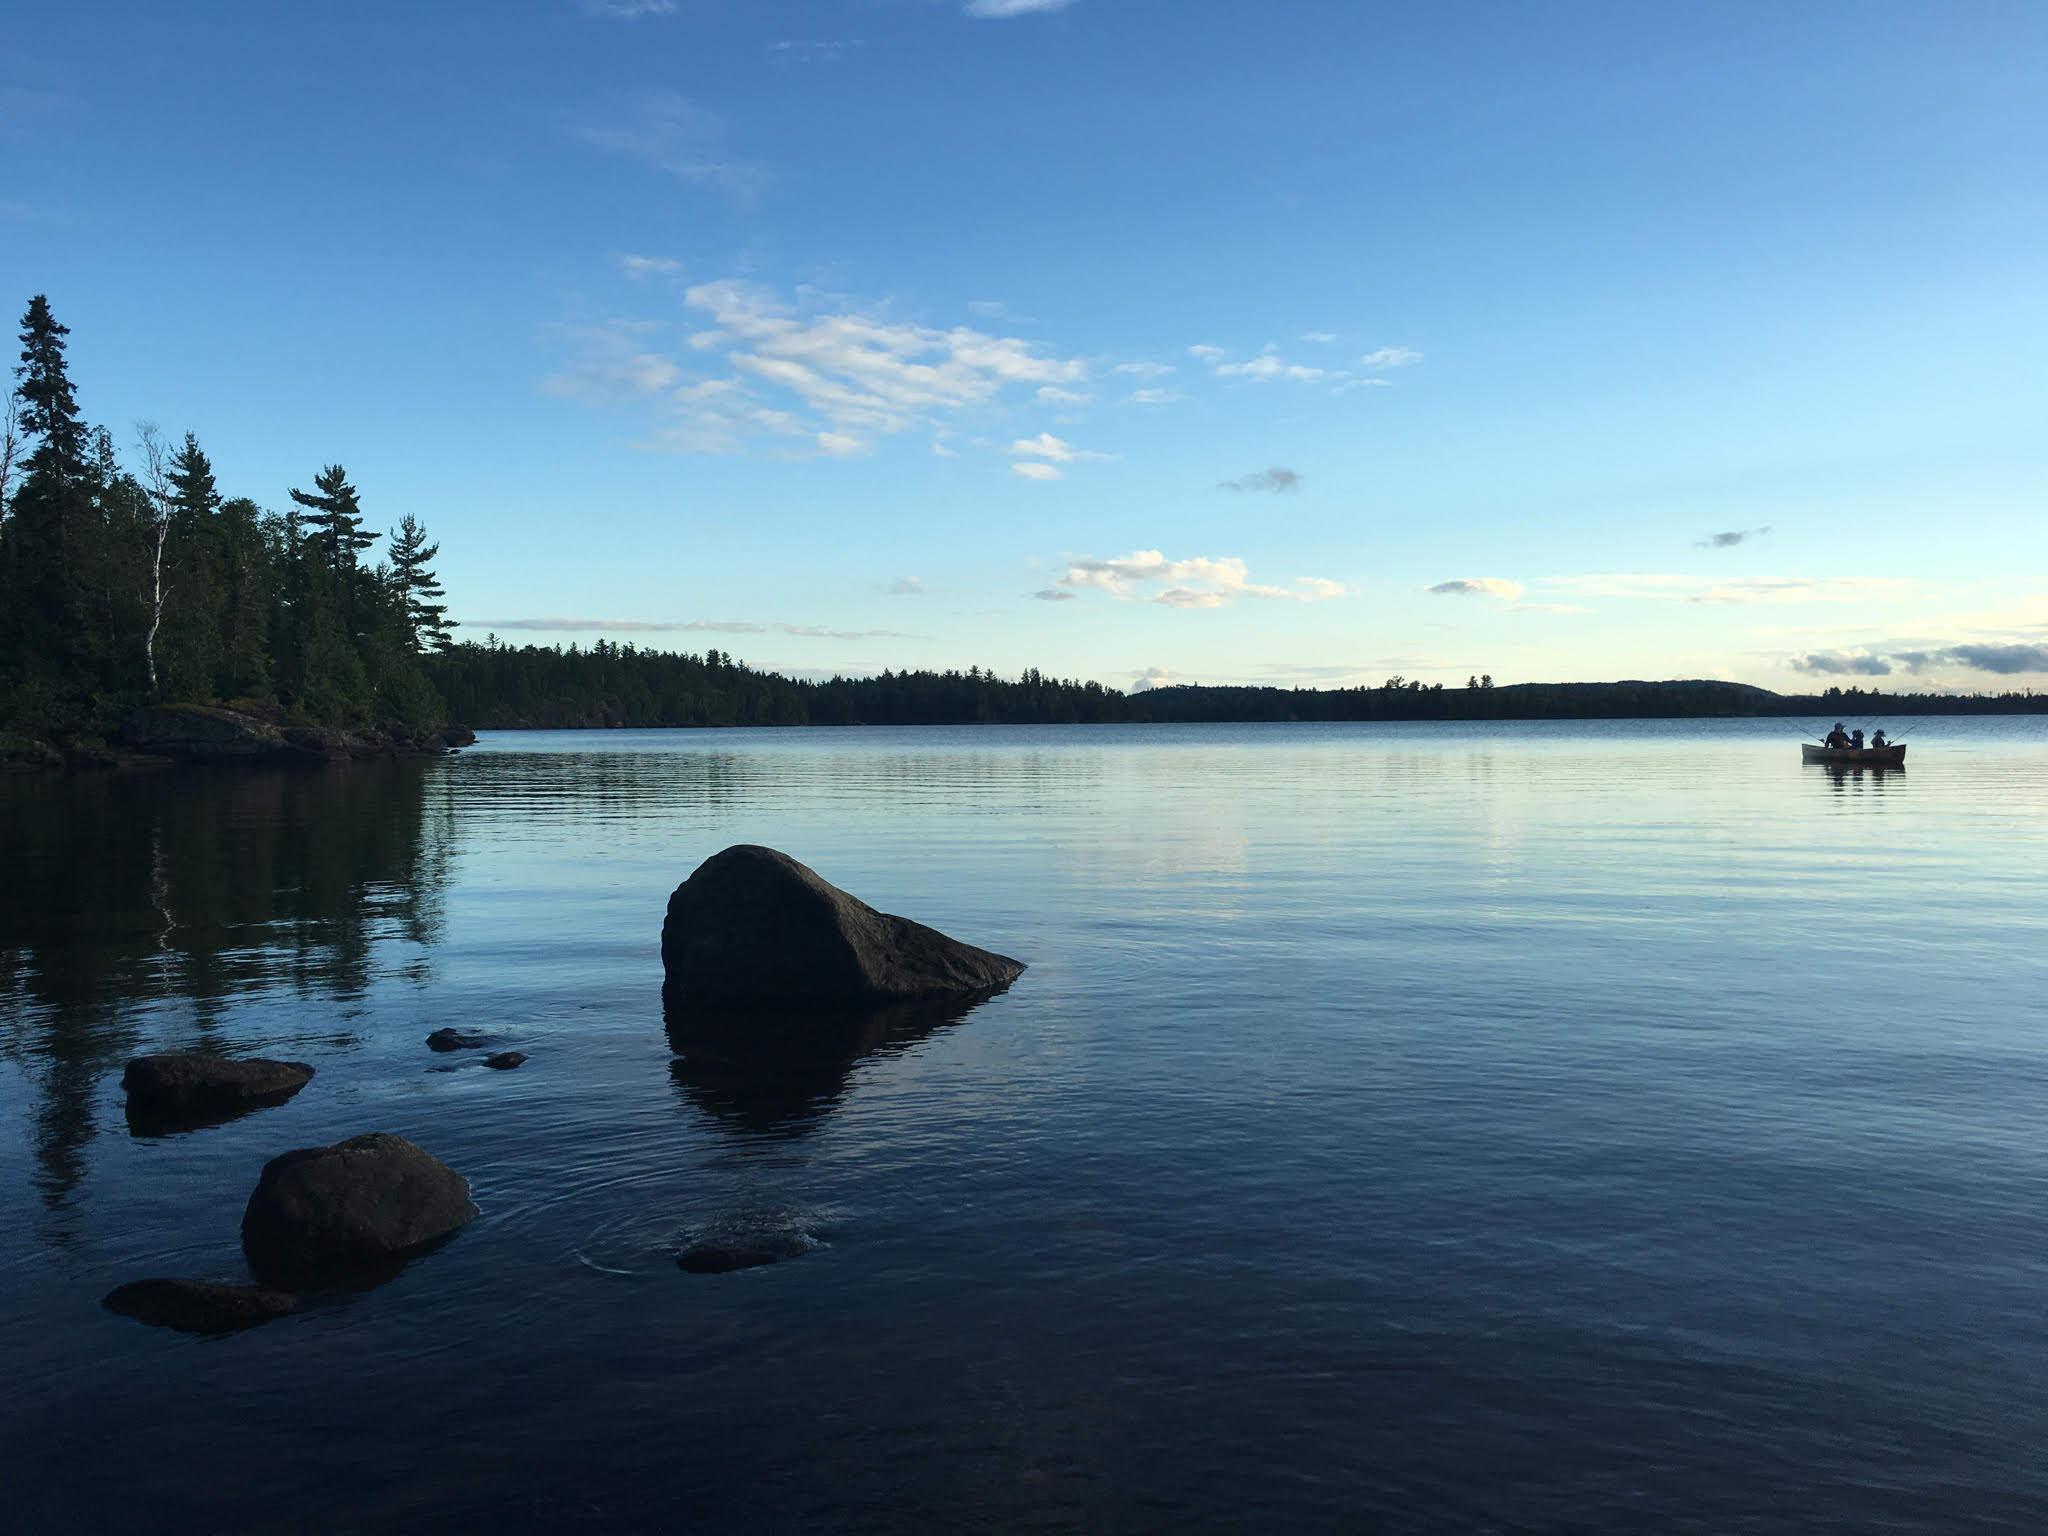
(140, 604)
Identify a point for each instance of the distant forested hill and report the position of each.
(494, 686)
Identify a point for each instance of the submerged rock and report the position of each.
(722, 1256)
(505, 1061)
(754, 923)
(198, 1306)
(369, 1202)
(184, 1091)
(455, 1040)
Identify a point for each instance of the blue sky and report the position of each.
(1127, 339)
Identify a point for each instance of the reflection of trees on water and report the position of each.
(126, 892)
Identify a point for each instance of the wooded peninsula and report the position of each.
(136, 593)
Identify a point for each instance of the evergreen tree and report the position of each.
(191, 649)
(334, 516)
(426, 619)
(49, 410)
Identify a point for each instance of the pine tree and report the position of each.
(426, 619)
(49, 409)
(334, 516)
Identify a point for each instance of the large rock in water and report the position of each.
(185, 1091)
(357, 1207)
(198, 1306)
(752, 923)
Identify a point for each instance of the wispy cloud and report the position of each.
(1153, 397)
(1381, 358)
(1144, 370)
(1000, 10)
(1207, 353)
(672, 134)
(1741, 591)
(1034, 471)
(612, 363)
(835, 379)
(1055, 595)
(1731, 538)
(1321, 338)
(907, 586)
(1202, 582)
(1478, 586)
(816, 51)
(627, 10)
(1052, 394)
(637, 267)
(1277, 478)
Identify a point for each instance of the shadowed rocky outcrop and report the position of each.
(183, 1092)
(752, 923)
(351, 1212)
(198, 1306)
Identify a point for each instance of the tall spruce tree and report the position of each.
(426, 619)
(335, 532)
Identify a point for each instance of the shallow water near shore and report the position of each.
(1527, 1127)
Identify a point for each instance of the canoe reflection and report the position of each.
(778, 1069)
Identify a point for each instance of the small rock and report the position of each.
(505, 1061)
(458, 735)
(754, 923)
(198, 1306)
(455, 1040)
(722, 1257)
(359, 1204)
(171, 1091)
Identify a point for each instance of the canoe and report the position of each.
(1859, 757)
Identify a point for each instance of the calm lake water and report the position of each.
(1413, 1128)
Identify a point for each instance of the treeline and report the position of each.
(142, 583)
(498, 686)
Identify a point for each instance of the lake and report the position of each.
(1537, 1127)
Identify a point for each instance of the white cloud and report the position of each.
(1320, 336)
(1145, 370)
(1052, 394)
(997, 10)
(841, 378)
(1055, 595)
(1046, 446)
(1153, 397)
(1478, 586)
(626, 10)
(1390, 357)
(1035, 471)
(907, 586)
(1153, 677)
(1266, 367)
(1201, 582)
(1208, 354)
(637, 267)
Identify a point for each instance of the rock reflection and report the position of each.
(195, 887)
(779, 1070)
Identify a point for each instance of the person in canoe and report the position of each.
(1877, 739)
(1837, 737)
(1856, 740)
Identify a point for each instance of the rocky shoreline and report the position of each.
(248, 731)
